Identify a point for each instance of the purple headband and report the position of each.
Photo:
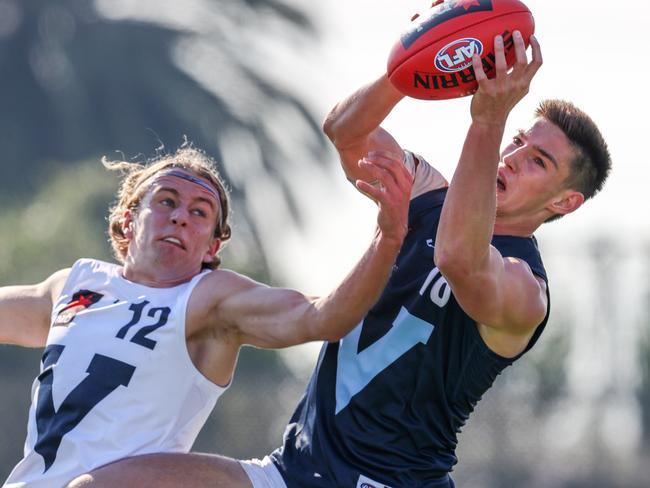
(198, 181)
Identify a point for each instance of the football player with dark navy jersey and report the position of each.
(387, 402)
(468, 296)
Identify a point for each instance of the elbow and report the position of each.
(442, 258)
(331, 334)
(331, 126)
(320, 323)
(334, 328)
(451, 264)
(328, 331)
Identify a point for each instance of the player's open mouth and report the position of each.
(501, 184)
(174, 240)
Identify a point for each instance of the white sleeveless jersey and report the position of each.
(116, 378)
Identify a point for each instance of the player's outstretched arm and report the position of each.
(495, 292)
(272, 317)
(25, 311)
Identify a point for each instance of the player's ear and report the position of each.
(568, 201)
(212, 250)
(127, 224)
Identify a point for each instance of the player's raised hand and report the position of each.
(496, 97)
(391, 191)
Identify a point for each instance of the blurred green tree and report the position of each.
(78, 85)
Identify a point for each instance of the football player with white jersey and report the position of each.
(136, 354)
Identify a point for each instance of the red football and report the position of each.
(433, 58)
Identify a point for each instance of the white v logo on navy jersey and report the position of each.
(355, 371)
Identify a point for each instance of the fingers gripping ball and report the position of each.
(433, 58)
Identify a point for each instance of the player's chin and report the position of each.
(502, 200)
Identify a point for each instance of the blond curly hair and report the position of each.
(132, 190)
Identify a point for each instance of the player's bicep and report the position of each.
(505, 295)
(268, 317)
(524, 297)
(25, 311)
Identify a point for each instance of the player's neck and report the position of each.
(509, 227)
(145, 276)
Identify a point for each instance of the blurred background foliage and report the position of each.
(84, 79)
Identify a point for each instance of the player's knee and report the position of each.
(83, 481)
(166, 471)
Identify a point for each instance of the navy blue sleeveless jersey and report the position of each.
(385, 404)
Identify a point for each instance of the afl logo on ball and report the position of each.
(457, 55)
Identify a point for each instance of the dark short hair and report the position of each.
(132, 190)
(592, 164)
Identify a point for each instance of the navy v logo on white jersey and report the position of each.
(105, 375)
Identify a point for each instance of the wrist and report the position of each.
(391, 242)
(489, 121)
(490, 128)
(389, 90)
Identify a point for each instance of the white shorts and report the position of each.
(263, 474)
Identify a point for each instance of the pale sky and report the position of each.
(595, 55)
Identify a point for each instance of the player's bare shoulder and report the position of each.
(207, 309)
(55, 283)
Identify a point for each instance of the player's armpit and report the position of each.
(25, 311)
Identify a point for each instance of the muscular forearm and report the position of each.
(467, 219)
(338, 313)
